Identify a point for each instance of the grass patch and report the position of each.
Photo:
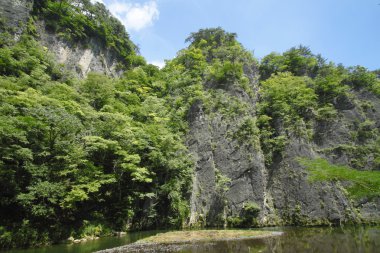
(205, 235)
(363, 183)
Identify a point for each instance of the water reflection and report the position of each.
(89, 246)
(294, 240)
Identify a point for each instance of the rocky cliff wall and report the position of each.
(229, 171)
(230, 175)
(79, 58)
(15, 13)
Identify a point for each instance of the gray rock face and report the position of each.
(79, 58)
(296, 201)
(230, 174)
(14, 13)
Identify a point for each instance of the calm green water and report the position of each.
(300, 240)
(89, 246)
(294, 240)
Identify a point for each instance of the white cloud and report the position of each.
(135, 16)
(159, 64)
(97, 1)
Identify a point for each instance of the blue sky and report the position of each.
(343, 31)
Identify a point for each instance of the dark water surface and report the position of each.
(89, 246)
(297, 240)
(294, 240)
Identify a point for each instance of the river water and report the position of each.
(297, 240)
(89, 246)
(294, 240)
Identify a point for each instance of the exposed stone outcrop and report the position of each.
(80, 58)
(230, 173)
(282, 191)
(15, 13)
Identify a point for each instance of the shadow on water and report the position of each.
(89, 246)
(294, 240)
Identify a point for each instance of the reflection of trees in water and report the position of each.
(294, 240)
(353, 239)
(241, 246)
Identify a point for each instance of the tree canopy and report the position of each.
(85, 157)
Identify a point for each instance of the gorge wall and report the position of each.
(79, 57)
(246, 125)
(231, 174)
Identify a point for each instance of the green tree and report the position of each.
(288, 96)
(98, 89)
(300, 61)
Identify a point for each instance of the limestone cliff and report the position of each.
(15, 13)
(227, 174)
(79, 57)
(232, 178)
(282, 191)
(231, 174)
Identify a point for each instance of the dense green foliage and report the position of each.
(299, 90)
(300, 61)
(85, 157)
(82, 157)
(360, 183)
(287, 100)
(214, 59)
(287, 96)
(247, 218)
